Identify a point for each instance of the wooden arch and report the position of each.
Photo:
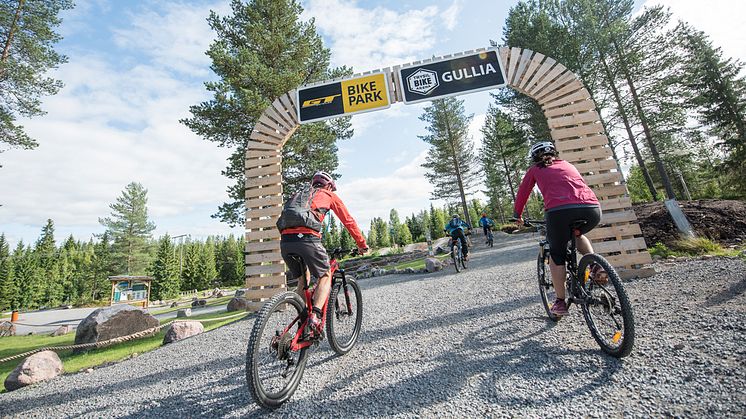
(575, 128)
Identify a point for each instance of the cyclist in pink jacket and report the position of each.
(567, 198)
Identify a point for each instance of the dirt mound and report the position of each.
(720, 221)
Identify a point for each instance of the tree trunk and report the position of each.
(630, 135)
(11, 32)
(451, 142)
(646, 129)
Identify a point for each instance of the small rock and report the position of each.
(239, 304)
(432, 265)
(679, 346)
(174, 304)
(7, 329)
(89, 370)
(62, 330)
(184, 312)
(182, 330)
(38, 367)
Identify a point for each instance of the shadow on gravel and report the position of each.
(23, 407)
(726, 295)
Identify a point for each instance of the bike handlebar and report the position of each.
(336, 253)
(529, 223)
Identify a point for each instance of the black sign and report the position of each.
(452, 77)
(346, 97)
(320, 102)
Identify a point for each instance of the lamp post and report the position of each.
(181, 246)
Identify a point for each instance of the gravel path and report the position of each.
(472, 344)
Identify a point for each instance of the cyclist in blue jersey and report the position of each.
(456, 228)
(487, 224)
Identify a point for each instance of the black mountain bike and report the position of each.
(278, 347)
(457, 254)
(490, 237)
(605, 304)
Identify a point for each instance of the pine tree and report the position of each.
(8, 289)
(28, 277)
(450, 162)
(130, 229)
(382, 232)
(48, 260)
(372, 236)
(27, 38)
(207, 272)
(190, 273)
(165, 271)
(261, 51)
(103, 265)
(394, 225)
(330, 238)
(345, 240)
(403, 235)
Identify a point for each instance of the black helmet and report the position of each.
(540, 149)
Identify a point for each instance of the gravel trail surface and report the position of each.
(473, 344)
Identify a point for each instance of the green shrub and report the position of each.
(660, 249)
(698, 246)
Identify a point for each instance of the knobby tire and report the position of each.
(545, 285)
(337, 313)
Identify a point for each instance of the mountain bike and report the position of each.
(457, 254)
(278, 347)
(605, 306)
(490, 237)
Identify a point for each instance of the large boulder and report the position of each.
(113, 322)
(7, 329)
(182, 330)
(239, 304)
(38, 367)
(432, 265)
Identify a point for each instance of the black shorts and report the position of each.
(309, 249)
(558, 227)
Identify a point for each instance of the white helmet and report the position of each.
(540, 149)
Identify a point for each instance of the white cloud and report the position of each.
(450, 15)
(370, 39)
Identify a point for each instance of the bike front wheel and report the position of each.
(607, 310)
(546, 288)
(456, 256)
(273, 370)
(344, 316)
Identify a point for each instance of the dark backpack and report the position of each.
(297, 211)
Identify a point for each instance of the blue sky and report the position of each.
(136, 66)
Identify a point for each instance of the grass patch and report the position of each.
(76, 362)
(417, 263)
(691, 247)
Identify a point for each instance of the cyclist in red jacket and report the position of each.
(567, 198)
(300, 226)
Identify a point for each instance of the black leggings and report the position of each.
(558, 228)
(459, 234)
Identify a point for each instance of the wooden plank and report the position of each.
(287, 103)
(276, 268)
(272, 123)
(525, 60)
(263, 246)
(264, 212)
(636, 243)
(586, 105)
(531, 71)
(640, 258)
(554, 80)
(269, 190)
(253, 154)
(261, 223)
(266, 134)
(595, 166)
(539, 78)
(284, 124)
(264, 181)
(624, 202)
(503, 52)
(603, 178)
(252, 163)
(596, 153)
(600, 233)
(513, 60)
(265, 293)
(618, 217)
(257, 145)
(610, 191)
(265, 281)
(263, 235)
(283, 113)
(577, 131)
(262, 257)
(576, 119)
(581, 143)
(274, 169)
(265, 201)
(560, 89)
(578, 96)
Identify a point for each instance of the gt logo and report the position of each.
(319, 101)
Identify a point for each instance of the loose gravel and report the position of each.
(473, 344)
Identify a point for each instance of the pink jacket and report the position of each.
(560, 184)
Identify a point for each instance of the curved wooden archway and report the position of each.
(575, 128)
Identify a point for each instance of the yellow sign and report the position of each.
(365, 93)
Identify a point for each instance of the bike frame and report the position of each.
(336, 274)
(577, 294)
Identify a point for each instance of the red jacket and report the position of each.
(560, 184)
(328, 200)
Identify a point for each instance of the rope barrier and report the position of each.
(112, 341)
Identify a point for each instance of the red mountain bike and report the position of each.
(278, 346)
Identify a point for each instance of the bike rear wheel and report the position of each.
(273, 371)
(546, 288)
(607, 312)
(344, 316)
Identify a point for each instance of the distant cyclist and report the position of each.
(300, 225)
(487, 224)
(456, 228)
(567, 198)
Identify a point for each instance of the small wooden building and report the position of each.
(126, 289)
